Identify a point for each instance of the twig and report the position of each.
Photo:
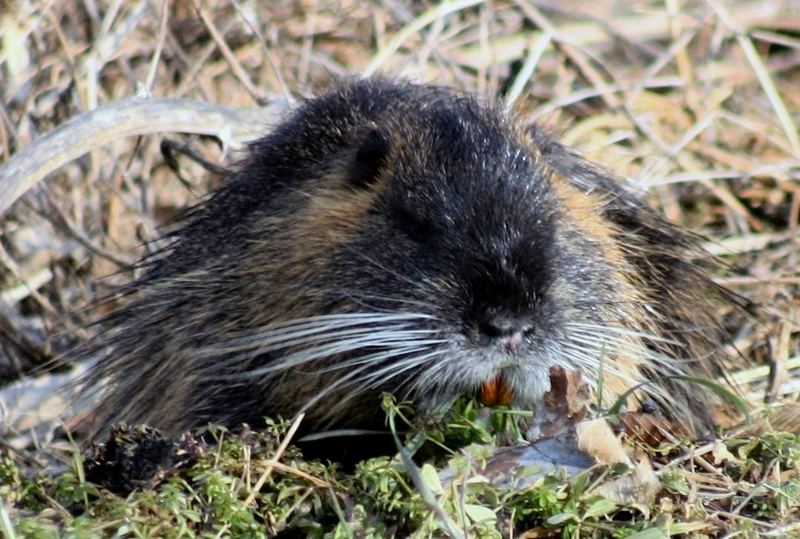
(763, 77)
(537, 49)
(130, 117)
(275, 458)
(236, 67)
(413, 28)
(633, 27)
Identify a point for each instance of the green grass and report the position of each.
(216, 493)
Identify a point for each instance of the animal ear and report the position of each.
(369, 158)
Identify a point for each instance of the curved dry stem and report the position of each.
(131, 117)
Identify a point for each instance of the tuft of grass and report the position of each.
(219, 494)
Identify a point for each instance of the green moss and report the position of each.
(233, 487)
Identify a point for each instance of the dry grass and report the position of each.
(695, 101)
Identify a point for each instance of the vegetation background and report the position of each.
(696, 102)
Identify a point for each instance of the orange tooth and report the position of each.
(495, 392)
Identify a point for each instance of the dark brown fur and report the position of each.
(449, 245)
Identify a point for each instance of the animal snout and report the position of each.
(504, 328)
(499, 325)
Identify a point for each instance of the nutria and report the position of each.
(406, 238)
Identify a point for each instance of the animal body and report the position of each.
(406, 238)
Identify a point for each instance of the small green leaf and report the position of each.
(479, 513)
(601, 507)
(431, 478)
(649, 533)
(560, 518)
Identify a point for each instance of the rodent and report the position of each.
(391, 236)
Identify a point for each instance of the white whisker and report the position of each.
(345, 379)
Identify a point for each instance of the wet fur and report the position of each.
(360, 247)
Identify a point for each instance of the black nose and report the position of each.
(499, 325)
(505, 300)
